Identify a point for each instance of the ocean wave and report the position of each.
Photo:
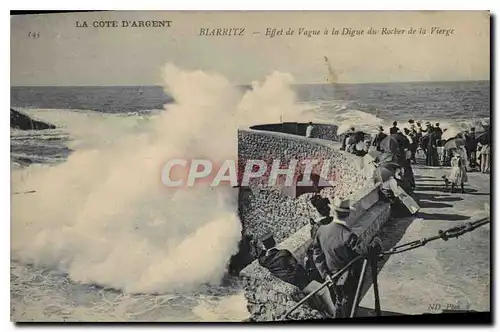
(104, 217)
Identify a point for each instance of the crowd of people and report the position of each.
(398, 149)
(333, 243)
(428, 140)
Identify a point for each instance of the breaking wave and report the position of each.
(103, 216)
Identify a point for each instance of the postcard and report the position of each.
(250, 166)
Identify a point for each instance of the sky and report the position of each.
(65, 55)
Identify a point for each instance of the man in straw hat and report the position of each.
(333, 247)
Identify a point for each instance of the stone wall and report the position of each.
(270, 209)
(324, 131)
(275, 209)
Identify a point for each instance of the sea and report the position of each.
(94, 236)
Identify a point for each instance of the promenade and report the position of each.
(449, 275)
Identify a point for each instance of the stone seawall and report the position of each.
(276, 208)
(325, 131)
(281, 210)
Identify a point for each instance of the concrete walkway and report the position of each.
(453, 275)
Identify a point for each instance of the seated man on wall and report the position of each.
(283, 265)
(333, 247)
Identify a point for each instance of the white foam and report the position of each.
(231, 309)
(104, 217)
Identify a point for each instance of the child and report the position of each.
(458, 174)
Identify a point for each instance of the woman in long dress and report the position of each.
(484, 154)
(458, 174)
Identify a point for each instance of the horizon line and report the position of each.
(246, 84)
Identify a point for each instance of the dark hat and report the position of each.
(352, 128)
(341, 205)
(268, 240)
(381, 128)
(267, 236)
(427, 123)
(411, 121)
(437, 124)
(395, 123)
(319, 202)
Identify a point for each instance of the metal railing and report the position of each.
(373, 255)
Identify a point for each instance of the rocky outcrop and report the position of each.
(21, 121)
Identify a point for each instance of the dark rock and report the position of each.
(244, 256)
(23, 122)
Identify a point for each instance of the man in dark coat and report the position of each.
(414, 144)
(333, 247)
(438, 131)
(394, 127)
(403, 141)
(334, 243)
(471, 142)
(432, 158)
(378, 138)
(404, 161)
(281, 263)
(309, 265)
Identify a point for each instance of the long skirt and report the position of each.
(458, 175)
(485, 159)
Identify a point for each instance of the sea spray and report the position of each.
(104, 216)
